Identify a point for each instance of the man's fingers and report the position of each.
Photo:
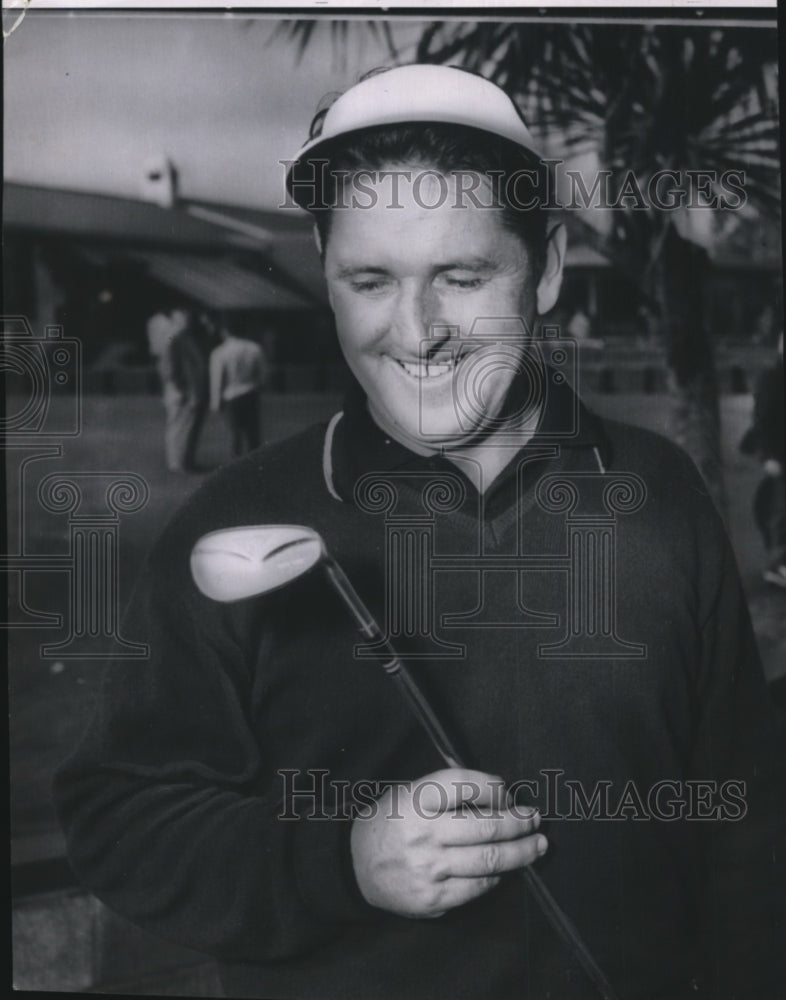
(464, 827)
(448, 789)
(483, 861)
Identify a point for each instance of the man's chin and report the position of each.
(431, 434)
(435, 439)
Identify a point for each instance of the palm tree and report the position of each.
(641, 98)
(302, 34)
(646, 98)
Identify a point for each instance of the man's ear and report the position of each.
(551, 279)
(320, 249)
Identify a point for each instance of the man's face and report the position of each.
(406, 286)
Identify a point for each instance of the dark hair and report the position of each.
(443, 147)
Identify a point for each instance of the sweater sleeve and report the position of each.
(170, 812)
(740, 740)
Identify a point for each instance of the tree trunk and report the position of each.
(680, 282)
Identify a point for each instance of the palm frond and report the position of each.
(301, 34)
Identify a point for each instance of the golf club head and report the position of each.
(235, 563)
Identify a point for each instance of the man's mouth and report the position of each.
(428, 369)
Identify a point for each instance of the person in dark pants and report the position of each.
(182, 366)
(765, 438)
(238, 370)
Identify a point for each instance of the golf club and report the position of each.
(237, 563)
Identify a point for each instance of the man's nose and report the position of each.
(417, 320)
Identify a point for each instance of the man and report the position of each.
(183, 370)
(237, 374)
(561, 587)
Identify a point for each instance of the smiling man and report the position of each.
(561, 586)
(406, 287)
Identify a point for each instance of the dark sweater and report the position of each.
(170, 805)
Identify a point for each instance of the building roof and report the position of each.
(225, 256)
(219, 283)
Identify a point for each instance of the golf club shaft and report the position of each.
(393, 666)
(552, 911)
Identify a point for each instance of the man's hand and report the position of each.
(773, 468)
(422, 850)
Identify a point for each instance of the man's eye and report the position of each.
(369, 285)
(455, 282)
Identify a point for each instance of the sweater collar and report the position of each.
(356, 445)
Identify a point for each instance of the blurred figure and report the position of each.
(580, 326)
(159, 333)
(765, 326)
(766, 439)
(648, 323)
(238, 371)
(182, 365)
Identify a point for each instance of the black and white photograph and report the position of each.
(395, 538)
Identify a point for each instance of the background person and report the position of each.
(182, 367)
(238, 372)
(580, 325)
(766, 439)
(159, 333)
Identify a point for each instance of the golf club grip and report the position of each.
(415, 698)
(552, 911)
(565, 929)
